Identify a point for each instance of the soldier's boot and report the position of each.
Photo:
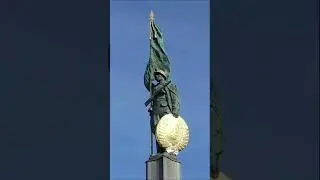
(159, 149)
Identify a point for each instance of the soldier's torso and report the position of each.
(161, 105)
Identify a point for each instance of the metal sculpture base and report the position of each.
(163, 167)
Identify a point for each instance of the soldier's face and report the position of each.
(159, 77)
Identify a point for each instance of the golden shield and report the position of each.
(172, 133)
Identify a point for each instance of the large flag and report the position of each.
(158, 58)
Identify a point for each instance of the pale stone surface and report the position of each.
(163, 167)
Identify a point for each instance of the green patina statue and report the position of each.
(166, 101)
(164, 97)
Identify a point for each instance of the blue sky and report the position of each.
(186, 31)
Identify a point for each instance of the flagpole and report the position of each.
(151, 19)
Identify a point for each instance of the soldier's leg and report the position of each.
(160, 149)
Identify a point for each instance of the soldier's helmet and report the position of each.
(163, 73)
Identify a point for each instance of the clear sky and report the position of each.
(186, 33)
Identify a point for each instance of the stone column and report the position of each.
(163, 167)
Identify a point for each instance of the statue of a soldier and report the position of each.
(165, 100)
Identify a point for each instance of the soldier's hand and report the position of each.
(150, 112)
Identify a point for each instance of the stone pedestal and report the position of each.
(163, 167)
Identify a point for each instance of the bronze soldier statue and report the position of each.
(165, 100)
